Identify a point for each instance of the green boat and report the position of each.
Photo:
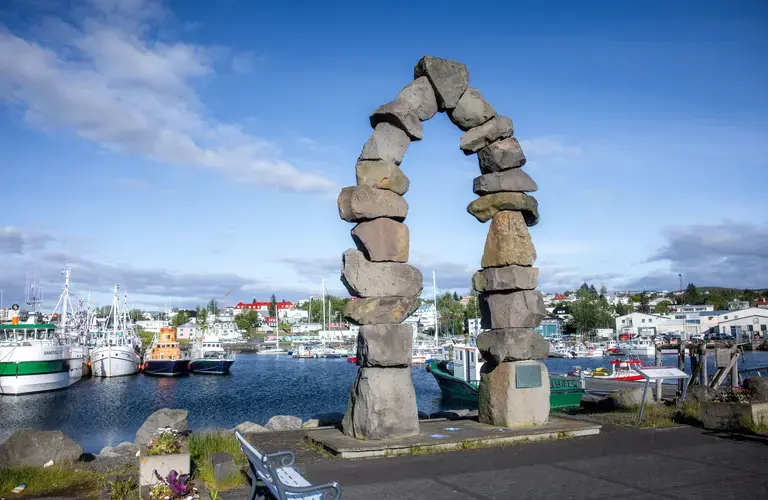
(564, 392)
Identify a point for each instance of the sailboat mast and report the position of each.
(323, 282)
(114, 313)
(434, 295)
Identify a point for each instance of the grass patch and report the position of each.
(51, 481)
(123, 489)
(202, 446)
(318, 448)
(690, 412)
(654, 417)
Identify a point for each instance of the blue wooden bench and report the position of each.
(282, 478)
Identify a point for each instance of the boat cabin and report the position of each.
(466, 363)
(27, 333)
(166, 346)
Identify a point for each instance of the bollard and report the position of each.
(703, 360)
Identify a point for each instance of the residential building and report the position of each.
(152, 325)
(293, 316)
(687, 308)
(639, 324)
(761, 304)
(303, 328)
(263, 307)
(422, 318)
(226, 331)
(737, 305)
(189, 330)
(562, 312)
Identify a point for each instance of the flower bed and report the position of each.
(167, 452)
(733, 410)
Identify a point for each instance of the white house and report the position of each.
(226, 331)
(152, 325)
(189, 330)
(638, 323)
(293, 316)
(303, 328)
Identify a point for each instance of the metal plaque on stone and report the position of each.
(527, 376)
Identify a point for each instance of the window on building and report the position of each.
(643, 320)
(749, 328)
(763, 328)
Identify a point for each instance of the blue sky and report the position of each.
(185, 148)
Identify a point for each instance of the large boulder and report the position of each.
(283, 423)
(384, 345)
(382, 240)
(498, 127)
(524, 309)
(361, 203)
(508, 242)
(512, 344)
(125, 450)
(371, 311)
(420, 97)
(175, 419)
(508, 180)
(250, 428)
(701, 393)
(508, 278)
(500, 402)
(401, 116)
(364, 278)
(33, 448)
(449, 79)
(628, 399)
(757, 388)
(382, 405)
(382, 175)
(485, 207)
(471, 110)
(387, 143)
(501, 155)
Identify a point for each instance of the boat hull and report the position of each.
(211, 366)
(165, 367)
(564, 393)
(114, 361)
(30, 369)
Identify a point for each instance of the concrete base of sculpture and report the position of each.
(448, 435)
(514, 394)
(382, 405)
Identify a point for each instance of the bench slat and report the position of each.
(291, 477)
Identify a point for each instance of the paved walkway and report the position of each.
(676, 463)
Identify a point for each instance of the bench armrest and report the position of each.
(330, 491)
(287, 458)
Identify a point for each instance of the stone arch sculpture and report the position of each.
(514, 391)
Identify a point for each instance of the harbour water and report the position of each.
(104, 412)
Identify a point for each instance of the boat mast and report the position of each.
(114, 314)
(434, 294)
(323, 281)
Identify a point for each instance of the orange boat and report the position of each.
(164, 358)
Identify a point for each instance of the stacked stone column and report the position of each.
(382, 402)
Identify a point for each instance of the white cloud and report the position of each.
(107, 81)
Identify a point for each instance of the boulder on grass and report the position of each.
(250, 428)
(283, 423)
(175, 419)
(629, 399)
(125, 450)
(33, 448)
(758, 389)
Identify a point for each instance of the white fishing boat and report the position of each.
(33, 357)
(587, 350)
(115, 348)
(273, 351)
(638, 347)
